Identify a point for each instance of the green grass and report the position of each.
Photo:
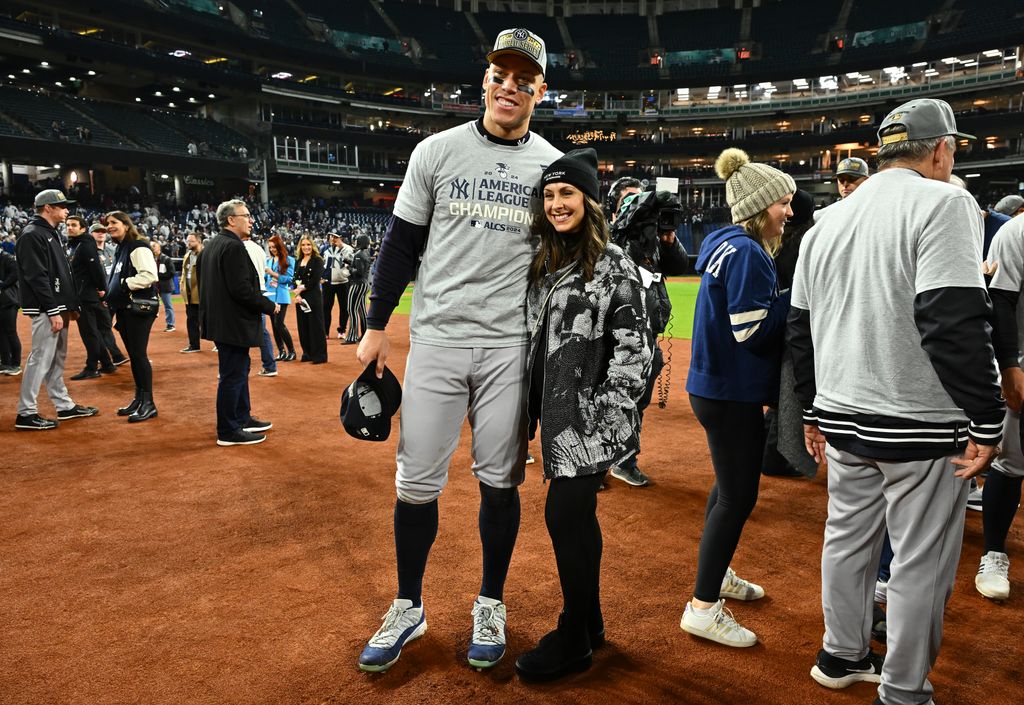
(681, 290)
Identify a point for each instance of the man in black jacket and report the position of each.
(90, 282)
(48, 297)
(230, 307)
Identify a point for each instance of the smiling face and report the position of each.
(306, 248)
(115, 229)
(564, 207)
(272, 248)
(508, 107)
(778, 212)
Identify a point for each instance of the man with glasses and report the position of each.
(231, 306)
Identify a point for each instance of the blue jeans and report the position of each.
(266, 346)
(165, 296)
(233, 410)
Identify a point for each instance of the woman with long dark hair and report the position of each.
(133, 278)
(590, 355)
(358, 285)
(280, 271)
(736, 358)
(309, 301)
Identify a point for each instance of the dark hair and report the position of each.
(282, 253)
(130, 231)
(557, 250)
(78, 218)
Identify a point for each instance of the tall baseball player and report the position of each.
(466, 203)
(1002, 490)
(895, 369)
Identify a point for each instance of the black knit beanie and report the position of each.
(579, 168)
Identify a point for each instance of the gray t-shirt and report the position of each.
(1008, 250)
(859, 270)
(478, 198)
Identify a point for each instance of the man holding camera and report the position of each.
(644, 225)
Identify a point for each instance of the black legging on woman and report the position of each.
(356, 311)
(134, 329)
(10, 344)
(282, 338)
(571, 517)
(735, 432)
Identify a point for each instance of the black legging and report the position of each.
(735, 432)
(10, 344)
(134, 330)
(282, 338)
(999, 500)
(571, 517)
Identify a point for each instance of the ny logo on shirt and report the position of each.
(459, 189)
(718, 256)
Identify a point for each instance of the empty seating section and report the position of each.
(789, 32)
(592, 32)
(8, 129)
(875, 14)
(699, 29)
(220, 138)
(38, 112)
(350, 16)
(442, 33)
(140, 126)
(493, 22)
(274, 19)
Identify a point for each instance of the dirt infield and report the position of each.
(143, 564)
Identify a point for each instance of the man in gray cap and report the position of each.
(48, 297)
(850, 174)
(1010, 205)
(897, 377)
(473, 189)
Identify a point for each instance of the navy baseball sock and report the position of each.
(415, 531)
(499, 526)
(999, 500)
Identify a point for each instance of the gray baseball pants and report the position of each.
(45, 365)
(442, 387)
(923, 504)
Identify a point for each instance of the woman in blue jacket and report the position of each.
(279, 291)
(735, 361)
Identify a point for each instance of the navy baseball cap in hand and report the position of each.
(368, 404)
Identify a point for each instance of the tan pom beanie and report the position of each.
(750, 187)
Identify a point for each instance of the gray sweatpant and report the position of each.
(45, 365)
(442, 385)
(923, 504)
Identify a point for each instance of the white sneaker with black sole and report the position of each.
(254, 425)
(993, 578)
(267, 373)
(974, 499)
(836, 673)
(241, 438)
(716, 624)
(487, 645)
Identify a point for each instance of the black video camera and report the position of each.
(642, 220)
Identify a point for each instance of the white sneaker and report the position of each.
(974, 499)
(881, 591)
(717, 625)
(736, 588)
(402, 624)
(488, 643)
(993, 578)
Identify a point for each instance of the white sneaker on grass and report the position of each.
(993, 578)
(402, 623)
(736, 588)
(716, 624)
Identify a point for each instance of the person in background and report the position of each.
(134, 276)
(309, 307)
(337, 258)
(190, 289)
(104, 322)
(279, 273)
(850, 174)
(165, 270)
(358, 286)
(735, 363)
(91, 283)
(1011, 206)
(10, 343)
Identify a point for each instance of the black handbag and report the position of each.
(144, 307)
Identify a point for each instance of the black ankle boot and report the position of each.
(558, 654)
(595, 630)
(146, 409)
(130, 409)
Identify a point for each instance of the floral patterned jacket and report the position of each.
(598, 357)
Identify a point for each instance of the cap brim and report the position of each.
(518, 52)
(964, 136)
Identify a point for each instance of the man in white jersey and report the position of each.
(466, 204)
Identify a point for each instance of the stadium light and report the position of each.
(25, 71)
(164, 176)
(158, 94)
(44, 64)
(211, 96)
(138, 100)
(971, 176)
(951, 60)
(91, 72)
(919, 64)
(12, 77)
(176, 89)
(992, 53)
(56, 166)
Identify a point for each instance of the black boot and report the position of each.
(146, 409)
(595, 630)
(558, 654)
(130, 409)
